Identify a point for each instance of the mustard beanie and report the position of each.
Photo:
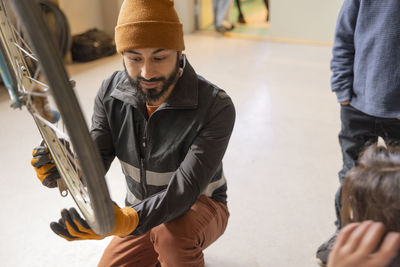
(148, 24)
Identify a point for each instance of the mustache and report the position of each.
(160, 79)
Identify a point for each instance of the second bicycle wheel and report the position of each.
(78, 160)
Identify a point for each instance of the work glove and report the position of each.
(73, 227)
(44, 166)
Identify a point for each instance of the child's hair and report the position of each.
(371, 190)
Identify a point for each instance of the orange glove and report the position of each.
(44, 166)
(72, 226)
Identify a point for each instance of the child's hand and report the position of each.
(359, 245)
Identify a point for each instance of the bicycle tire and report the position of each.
(28, 15)
(62, 32)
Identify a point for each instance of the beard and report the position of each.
(151, 95)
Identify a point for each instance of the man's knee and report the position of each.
(176, 249)
(168, 237)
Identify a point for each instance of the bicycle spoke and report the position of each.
(17, 33)
(25, 52)
(60, 134)
(44, 86)
(71, 155)
(38, 94)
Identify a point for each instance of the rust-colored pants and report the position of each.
(177, 243)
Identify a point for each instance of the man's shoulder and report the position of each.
(219, 102)
(114, 79)
(111, 82)
(211, 88)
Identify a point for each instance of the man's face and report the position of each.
(152, 71)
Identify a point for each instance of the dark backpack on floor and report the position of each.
(92, 45)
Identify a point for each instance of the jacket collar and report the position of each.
(184, 95)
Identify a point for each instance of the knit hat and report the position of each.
(148, 24)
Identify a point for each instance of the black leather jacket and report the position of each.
(171, 157)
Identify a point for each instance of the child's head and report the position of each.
(371, 190)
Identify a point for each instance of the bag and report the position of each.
(91, 45)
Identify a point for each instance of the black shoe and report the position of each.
(241, 19)
(230, 28)
(220, 29)
(324, 250)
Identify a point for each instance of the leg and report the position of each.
(238, 5)
(181, 241)
(266, 2)
(227, 17)
(240, 17)
(220, 7)
(129, 251)
(390, 131)
(358, 131)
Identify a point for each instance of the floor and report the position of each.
(281, 163)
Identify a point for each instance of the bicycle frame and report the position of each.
(5, 75)
(6, 33)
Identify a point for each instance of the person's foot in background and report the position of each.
(220, 29)
(226, 27)
(241, 19)
(324, 250)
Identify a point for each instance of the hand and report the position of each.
(42, 106)
(44, 166)
(358, 245)
(72, 227)
(345, 103)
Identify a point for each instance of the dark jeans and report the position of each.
(358, 131)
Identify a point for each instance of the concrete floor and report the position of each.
(281, 163)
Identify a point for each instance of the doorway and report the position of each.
(254, 13)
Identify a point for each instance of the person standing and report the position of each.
(221, 10)
(366, 79)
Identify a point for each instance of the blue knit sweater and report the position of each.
(366, 56)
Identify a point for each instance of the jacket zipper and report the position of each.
(142, 166)
(143, 177)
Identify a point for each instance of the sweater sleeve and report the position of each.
(343, 51)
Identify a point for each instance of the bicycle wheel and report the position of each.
(78, 160)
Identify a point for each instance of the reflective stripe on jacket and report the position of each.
(172, 157)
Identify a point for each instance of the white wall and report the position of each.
(185, 10)
(206, 16)
(311, 20)
(103, 14)
(82, 15)
(110, 11)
